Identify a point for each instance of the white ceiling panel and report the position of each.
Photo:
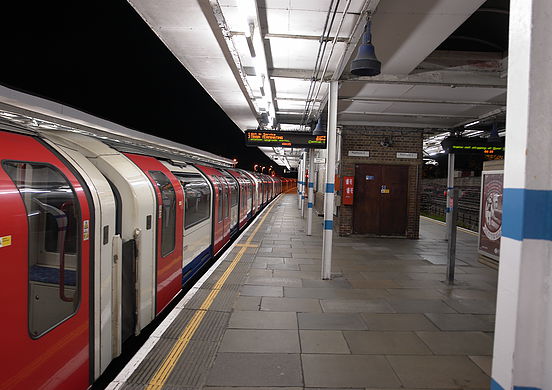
(457, 93)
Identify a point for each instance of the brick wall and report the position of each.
(369, 139)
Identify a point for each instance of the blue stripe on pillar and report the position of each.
(309, 205)
(311, 185)
(328, 224)
(302, 196)
(329, 188)
(527, 214)
(496, 386)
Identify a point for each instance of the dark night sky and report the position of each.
(100, 57)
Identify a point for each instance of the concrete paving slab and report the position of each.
(374, 284)
(460, 322)
(333, 283)
(261, 291)
(483, 362)
(458, 343)
(439, 372)
(260, 341)
(401, 305)
(323, 341)
(472, 306)
(356, 306)
(335, 321)
(415, 293)
(263, 320)
(344, 371)
(385, 343)
(288, 267)
(256, 370)
(247, 303)
(334, 293)
(272, 281)
(397, 322)
(291, 304)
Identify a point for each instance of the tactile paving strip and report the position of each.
(197, 357)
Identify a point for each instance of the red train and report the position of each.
(98, 233)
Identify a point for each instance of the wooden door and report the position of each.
(380, 200)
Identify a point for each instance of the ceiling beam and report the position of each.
(444, 78)
(404, 115)
(420, 101)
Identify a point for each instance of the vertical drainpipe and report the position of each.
(330, 178)
(310, 192)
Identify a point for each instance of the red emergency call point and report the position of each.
(348, 190)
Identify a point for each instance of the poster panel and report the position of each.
(490, 214)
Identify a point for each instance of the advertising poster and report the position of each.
(490, 218)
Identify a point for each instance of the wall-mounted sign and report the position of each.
(284, 139)
(369, 177)
(384, 189)
(459, 145)
(319, 160)
(359, 153)
(407, 155)
(348, 190)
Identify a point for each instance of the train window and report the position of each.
(225, 191)
(219, 188)
(168, 212)
(197, 199)
(53, 220)
(234, 195)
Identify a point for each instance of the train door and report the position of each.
(170, 224)
(45, 240)
(226, 209)
(218, 217)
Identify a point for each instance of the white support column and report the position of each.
(330, 178)
(523, 339)
(303, 196)
(310, 201)
(299, 184)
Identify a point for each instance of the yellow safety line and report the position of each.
(247, 245)
(163, 372)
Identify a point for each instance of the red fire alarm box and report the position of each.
(348, 190)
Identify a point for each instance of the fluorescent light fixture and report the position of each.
(472, 123)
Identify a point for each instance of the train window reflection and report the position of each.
(53, 221)
(197, 199)
(168, 212)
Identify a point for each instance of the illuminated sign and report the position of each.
(458, 145)
(284, 139)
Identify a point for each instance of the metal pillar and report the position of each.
(523, 334)
(330, 179)
(450, 189)
(304, 157)
(310, 199)
(451, 228)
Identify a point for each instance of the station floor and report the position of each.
(264, 319)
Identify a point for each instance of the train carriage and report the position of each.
(100, 233)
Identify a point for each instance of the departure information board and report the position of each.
(284, 139)
(459, 145)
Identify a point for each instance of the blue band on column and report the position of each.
(311, 185)
(328, 225)
(329, 188)
(309, 205)
(527, 214)
(302, 196)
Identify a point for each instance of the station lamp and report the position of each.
(366, 63)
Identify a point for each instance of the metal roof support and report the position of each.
(310, 200)
(329, 195)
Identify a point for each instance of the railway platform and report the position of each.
(263, 318)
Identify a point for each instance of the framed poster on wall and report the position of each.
(490, 214)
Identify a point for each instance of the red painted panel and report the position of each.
(169, 268)
(60, 358)
(221, 230)
(348, 190)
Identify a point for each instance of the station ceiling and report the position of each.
(444, 62)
